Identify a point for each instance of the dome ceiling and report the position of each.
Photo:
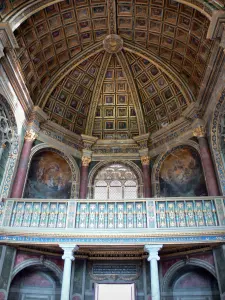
(173, 33)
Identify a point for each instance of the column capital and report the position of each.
(145, 160)
(85, 161)
(68, 251)
(199, 131)
(153, 251)
(30, 135)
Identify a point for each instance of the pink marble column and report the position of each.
(19, 181)
(145, 160)
(207, 163)
(84, 177)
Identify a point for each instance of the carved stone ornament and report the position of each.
(145, 160)
(30, 135)
(113, 43)
(199, 131)
(86, 161)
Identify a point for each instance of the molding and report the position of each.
(112, 18)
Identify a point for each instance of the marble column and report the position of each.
(84, 177)
(19, 181)
(207, 163)
(68, 258)
(145, 160)
(154, 273)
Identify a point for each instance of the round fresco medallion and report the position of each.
(113, 43)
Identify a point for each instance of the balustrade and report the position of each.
(158, 213)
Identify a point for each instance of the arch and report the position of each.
(38, 262)
(161, 158)
(93, 173)
(24, 11)
(14, 147)
(68, 158)
(215, 131)
(180, 264)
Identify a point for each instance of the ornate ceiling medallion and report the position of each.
(113, 43)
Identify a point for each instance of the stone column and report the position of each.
(145, 161)
(154, 273)
(19, 181)
(207, 164)
(68, 258)
(84, 177)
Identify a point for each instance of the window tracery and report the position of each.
(115, 182)
(6, 138)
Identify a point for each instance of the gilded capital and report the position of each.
(199, 131)
(86, 161)
(30, 135)
(145, 160)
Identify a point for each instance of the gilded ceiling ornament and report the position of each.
(30, 135)
(86, 161)
(199, 131)
(145, 160)
(113, 43)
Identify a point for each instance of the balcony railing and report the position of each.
(138, 214)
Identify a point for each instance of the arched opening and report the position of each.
(192, 282)
(35, 282)
(115, 181)
(179, 173)
(49, 177)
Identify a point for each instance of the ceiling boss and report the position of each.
(113, 43)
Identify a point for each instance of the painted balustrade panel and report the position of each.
(110, 215)
(39, 214)
(186, 213)
(155, 213)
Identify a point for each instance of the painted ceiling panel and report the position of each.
(161, 99)
(69, 103)
(51, 37)
(174, 32)
(115, 114)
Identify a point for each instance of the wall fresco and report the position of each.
(181, 174)
(49, 177)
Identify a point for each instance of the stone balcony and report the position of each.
(165, 220)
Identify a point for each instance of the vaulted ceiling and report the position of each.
(143, 88)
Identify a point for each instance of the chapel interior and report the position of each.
(112, 149)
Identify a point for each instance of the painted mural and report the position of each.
(49, 177)
(181, 174)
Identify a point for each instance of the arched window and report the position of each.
(115, 182)
(6, 136)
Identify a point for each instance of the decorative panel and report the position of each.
(161, 99)
(173, 31)
(69, 103)
(52, 36)
(115, 113)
